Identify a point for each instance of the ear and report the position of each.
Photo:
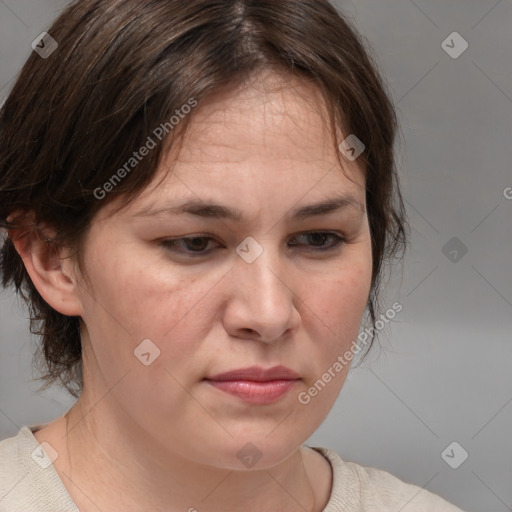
(51, 272)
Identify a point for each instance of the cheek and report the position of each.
(339, 304)
(332, 338)
(343, 297)
(136, 300)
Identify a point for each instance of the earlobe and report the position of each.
(52, 275)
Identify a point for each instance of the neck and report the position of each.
(106, 452)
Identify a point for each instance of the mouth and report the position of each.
(256, 385)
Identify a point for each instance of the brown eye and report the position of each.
(317, 240)
(193, 245)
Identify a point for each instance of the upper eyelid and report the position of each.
(339, 237)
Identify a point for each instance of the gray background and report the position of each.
(444, 371)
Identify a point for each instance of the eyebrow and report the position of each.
(217, 211)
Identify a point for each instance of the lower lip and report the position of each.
(255, 392)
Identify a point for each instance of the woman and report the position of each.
(200, 198)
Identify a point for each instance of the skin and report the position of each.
(159, 435)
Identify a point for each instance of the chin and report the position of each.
(255, 455)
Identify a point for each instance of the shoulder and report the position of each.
(14, 466)
(364, 488)
(28, 480)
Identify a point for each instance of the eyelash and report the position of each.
(170, 243)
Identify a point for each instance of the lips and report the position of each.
(256, 385)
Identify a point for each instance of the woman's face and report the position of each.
(223, 302)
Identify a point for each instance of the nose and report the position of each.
(262, 299)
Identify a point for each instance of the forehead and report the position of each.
(264, 143)
(284, 117)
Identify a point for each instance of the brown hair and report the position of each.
(123, 67)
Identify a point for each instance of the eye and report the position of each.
(194, 244)
(319, 238)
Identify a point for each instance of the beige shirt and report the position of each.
(30, 483)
